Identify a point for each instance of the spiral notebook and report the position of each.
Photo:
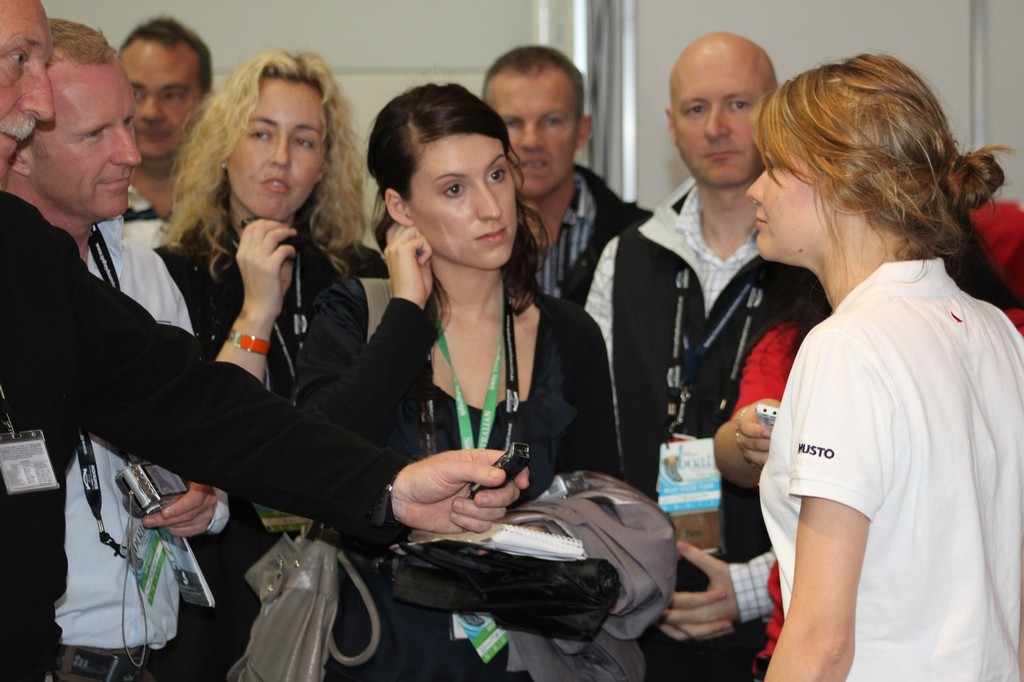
(514, 540)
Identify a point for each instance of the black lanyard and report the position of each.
(686, 358)
(428, 431)
(5, 412)
(101, 254)
(86, 454)
(93, 495)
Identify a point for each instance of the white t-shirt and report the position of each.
(908, 406)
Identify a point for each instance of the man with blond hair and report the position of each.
(538, 92)
(76, 352)
(75, 170)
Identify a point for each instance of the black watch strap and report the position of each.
(382, 513)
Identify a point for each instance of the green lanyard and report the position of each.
(490, 400)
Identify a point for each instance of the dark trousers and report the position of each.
(692, 661)
(209, 641)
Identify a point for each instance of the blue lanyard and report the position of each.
(686, 360)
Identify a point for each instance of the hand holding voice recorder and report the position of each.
(515, 459)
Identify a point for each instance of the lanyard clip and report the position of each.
(677, 411)
(511, 401)
(674, 377)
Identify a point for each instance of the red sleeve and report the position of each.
(1001, 228)
(774, 627)
(1017, 317)
(767, 366)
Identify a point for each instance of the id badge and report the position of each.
(276, 521)
(483, 633)
(25, 463)
(690, 489)
(149, 555)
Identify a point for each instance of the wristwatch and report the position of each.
(381, 513)
(248, 342)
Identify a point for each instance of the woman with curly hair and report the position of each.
(268, 212)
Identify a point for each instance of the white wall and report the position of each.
(377, 48)
(380, 47)
(931, 35)
(1005, 99)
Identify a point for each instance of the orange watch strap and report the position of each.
(248, 342)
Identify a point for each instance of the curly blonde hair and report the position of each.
(334, 210)
(870, 136)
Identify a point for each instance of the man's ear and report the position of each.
(583, 132)
(398, 208)
(21, 160)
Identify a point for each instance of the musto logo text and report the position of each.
(816, 451)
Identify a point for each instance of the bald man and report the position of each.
(682, 296)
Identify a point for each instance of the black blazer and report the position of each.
(73, 351)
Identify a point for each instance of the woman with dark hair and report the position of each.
(467, 353)
(893, 487)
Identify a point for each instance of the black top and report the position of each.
(647, 272)
(567, 421)
(213, 305)
(75, 352)
(613, 215)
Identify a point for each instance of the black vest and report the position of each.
(644, 303)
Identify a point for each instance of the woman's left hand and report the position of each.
(265, 263)
(407, 255)
(752, 438)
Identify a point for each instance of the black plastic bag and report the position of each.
(565, 599)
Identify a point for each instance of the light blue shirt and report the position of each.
(98, 585)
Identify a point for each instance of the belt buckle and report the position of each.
(123, 669)
(100, 665)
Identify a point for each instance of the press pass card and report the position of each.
(481, 630)
(688, 480)
(690, 490)
(25, 463)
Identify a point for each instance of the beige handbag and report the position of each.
(297, 583)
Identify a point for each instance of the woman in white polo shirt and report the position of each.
(893, 491)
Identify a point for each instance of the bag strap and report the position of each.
(371, 611)
(378, 294)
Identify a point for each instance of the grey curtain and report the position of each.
(605, 88)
